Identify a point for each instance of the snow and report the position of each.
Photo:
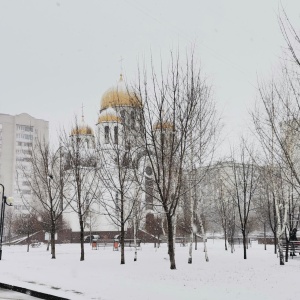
(100, 276)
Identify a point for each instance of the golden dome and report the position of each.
(119, 96)
(163, 126)
(82, 130)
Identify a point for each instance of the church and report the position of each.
(118, 190)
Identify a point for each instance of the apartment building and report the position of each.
(17, 136)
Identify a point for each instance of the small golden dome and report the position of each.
(82, 130)
(163, 126)
(119, 96)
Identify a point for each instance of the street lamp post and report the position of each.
(8, 201)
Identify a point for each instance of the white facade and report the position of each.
(17, 136)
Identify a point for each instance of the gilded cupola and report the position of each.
(119, 95)
(82, 128)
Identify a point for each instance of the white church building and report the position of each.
(114, 158)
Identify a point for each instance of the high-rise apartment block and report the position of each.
(17, 136)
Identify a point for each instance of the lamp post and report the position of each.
(8, 201)
(50, 176)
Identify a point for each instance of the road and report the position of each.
(8, 295)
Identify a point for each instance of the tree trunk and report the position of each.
(134, 237)
(281, 226)
(122, 242)
(281, 256)
(190, 259)
(275, 225)
(191, 248)
(171, 250)
(81, 238)
(244, 243)
(122, 230)
(174, 231)
(265, 240)
(28, 241)
(53, 240)
(204, 237)
(287, 251)
(275, 242)
(287, 241)
(225, 235)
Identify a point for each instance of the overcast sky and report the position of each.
(56, 55)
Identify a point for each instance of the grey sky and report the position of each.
(56, 55)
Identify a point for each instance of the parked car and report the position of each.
(90, 238)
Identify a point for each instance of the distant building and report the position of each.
(17, 136)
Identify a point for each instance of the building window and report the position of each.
(116, 135)
(24, 128)
(106, 134)
(25, 144)
(24, 136)
(148, 170)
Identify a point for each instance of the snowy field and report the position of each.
(100, 276)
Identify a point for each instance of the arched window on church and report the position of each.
(116, 135)
(123, 116)
(132, 120)
(106, 134)
(149, 188)
(163, 139)
(87, 143)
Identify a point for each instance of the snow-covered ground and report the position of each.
(100, 276)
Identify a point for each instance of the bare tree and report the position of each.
(8, 224)
(245, 181)
(48, 182)
(291, 37)
(265, 205)
(120, 189)
(278, 130)
(232, 227)
(177, 111)
(81, 167)
(223, 201)
(26, 224)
